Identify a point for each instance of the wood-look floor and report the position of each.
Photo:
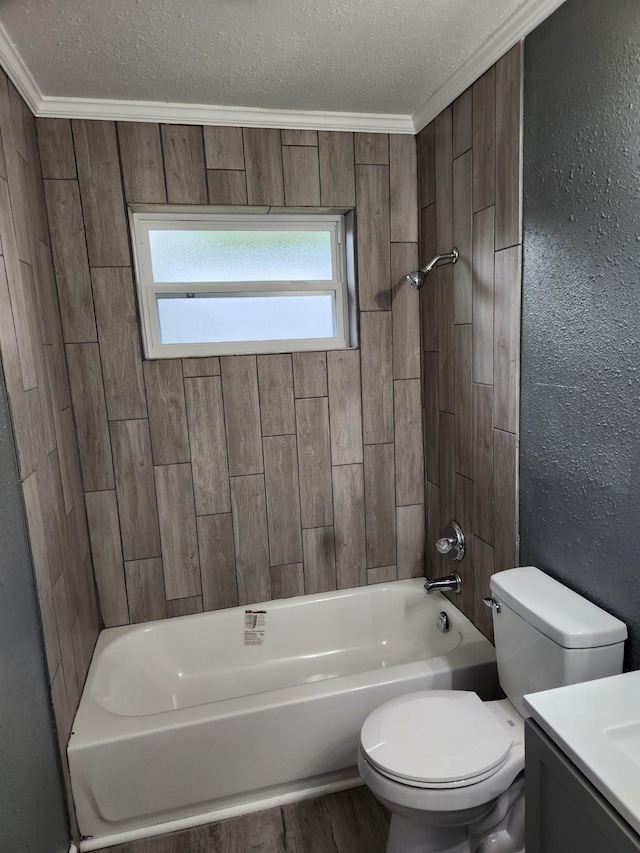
(347, 822)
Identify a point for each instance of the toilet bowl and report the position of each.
(448, 766)
(441, 761)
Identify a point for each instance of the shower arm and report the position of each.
(416, 279)
(451, 257)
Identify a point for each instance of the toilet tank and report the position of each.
(548, 636)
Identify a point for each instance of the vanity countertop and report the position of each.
(597, 724)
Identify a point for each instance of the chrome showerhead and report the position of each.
(416, 279)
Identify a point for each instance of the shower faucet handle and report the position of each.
(453, 540)
(444, 545)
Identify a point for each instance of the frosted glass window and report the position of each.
(218, 281)
(242, 255)
(267, 317)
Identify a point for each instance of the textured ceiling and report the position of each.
(375, 56)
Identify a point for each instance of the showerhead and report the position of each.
(416, 279)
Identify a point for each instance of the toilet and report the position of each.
(450, 767)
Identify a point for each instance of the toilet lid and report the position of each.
(435, 737)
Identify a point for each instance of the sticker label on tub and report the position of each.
(254, 627)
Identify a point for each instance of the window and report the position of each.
(216, 283)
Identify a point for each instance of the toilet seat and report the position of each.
(436, 739)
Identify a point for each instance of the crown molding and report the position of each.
(18, 72)
(515, 28)
(45, 106)
(171, 113)
(522, 22)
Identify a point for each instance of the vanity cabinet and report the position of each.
(564, 812)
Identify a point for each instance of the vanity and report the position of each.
(583, 767)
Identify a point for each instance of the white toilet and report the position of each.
(448, 766)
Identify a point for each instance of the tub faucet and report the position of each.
(451, 582)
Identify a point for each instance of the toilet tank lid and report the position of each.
(557, 611)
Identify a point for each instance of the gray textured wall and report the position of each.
(33, 816)
(580, 431)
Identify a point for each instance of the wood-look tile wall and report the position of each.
(470, 197)
(33, 360)
(212, 482)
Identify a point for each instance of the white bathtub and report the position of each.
(181, 722)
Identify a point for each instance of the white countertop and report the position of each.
(597, 725)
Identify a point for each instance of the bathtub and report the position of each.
(192, 719)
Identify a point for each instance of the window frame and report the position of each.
(145, 218)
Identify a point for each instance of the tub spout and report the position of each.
(450, 583)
